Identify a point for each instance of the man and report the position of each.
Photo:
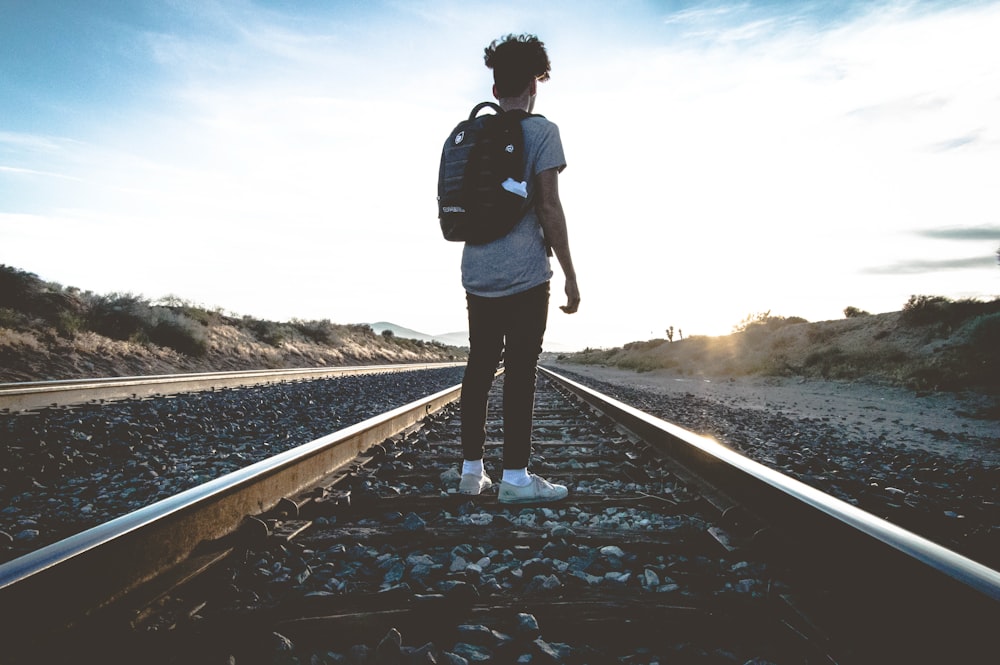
(507, 287)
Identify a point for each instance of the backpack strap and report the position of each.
(518, 113)
(479, 107)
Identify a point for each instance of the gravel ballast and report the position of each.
(928, 462)
(71, 468)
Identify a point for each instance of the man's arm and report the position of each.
(553, 220)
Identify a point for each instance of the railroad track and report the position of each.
(36, 394)
(670, 548)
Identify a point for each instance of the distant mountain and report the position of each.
(459, 339)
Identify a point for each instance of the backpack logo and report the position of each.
(510, 148)
(459, 137)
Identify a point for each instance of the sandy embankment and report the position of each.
(942, 423)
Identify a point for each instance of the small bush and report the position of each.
(362, 329)
(121, 316)
(979, 361)
(18, 289)
(205, 317)
(644, 346)
(985, 332)
(128, 317)
(752, 320)
(269, 332)
(11, 318)
(190, 310)
(25, 293)
(922, 310)
(178, 332)
(68, 324)
(763, 321)
(854, 313)
(926, 310)
(320, 332)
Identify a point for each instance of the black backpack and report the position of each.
(479, 157)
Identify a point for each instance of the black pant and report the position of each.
(514, 326)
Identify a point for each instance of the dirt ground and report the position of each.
(950, 424)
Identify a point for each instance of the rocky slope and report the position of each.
(931, 344)
(51, 332)
(42, 355)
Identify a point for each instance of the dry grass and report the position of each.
(947, 350)
(42, 355)
(49, 332)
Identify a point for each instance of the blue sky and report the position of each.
(279, 159)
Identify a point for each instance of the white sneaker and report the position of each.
(538, 490)
(472, 483)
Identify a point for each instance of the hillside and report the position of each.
(933, 343)
(50, 332)
(458, 339)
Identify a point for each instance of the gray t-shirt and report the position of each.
(518, 261)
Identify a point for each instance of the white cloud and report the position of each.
(722, 162)
(757, 167)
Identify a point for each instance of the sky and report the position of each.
(279, 159)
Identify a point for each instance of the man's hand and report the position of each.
(572, 297)
(553, 221)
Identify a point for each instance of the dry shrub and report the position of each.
(932, 343)
(19, 338)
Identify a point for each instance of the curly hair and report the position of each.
(517, 60)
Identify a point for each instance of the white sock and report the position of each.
(475, 467)
(517, 477)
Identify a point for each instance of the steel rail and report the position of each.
(761, 484)
(58, 584)
(38, 394)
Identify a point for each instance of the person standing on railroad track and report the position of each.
(507, 287)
